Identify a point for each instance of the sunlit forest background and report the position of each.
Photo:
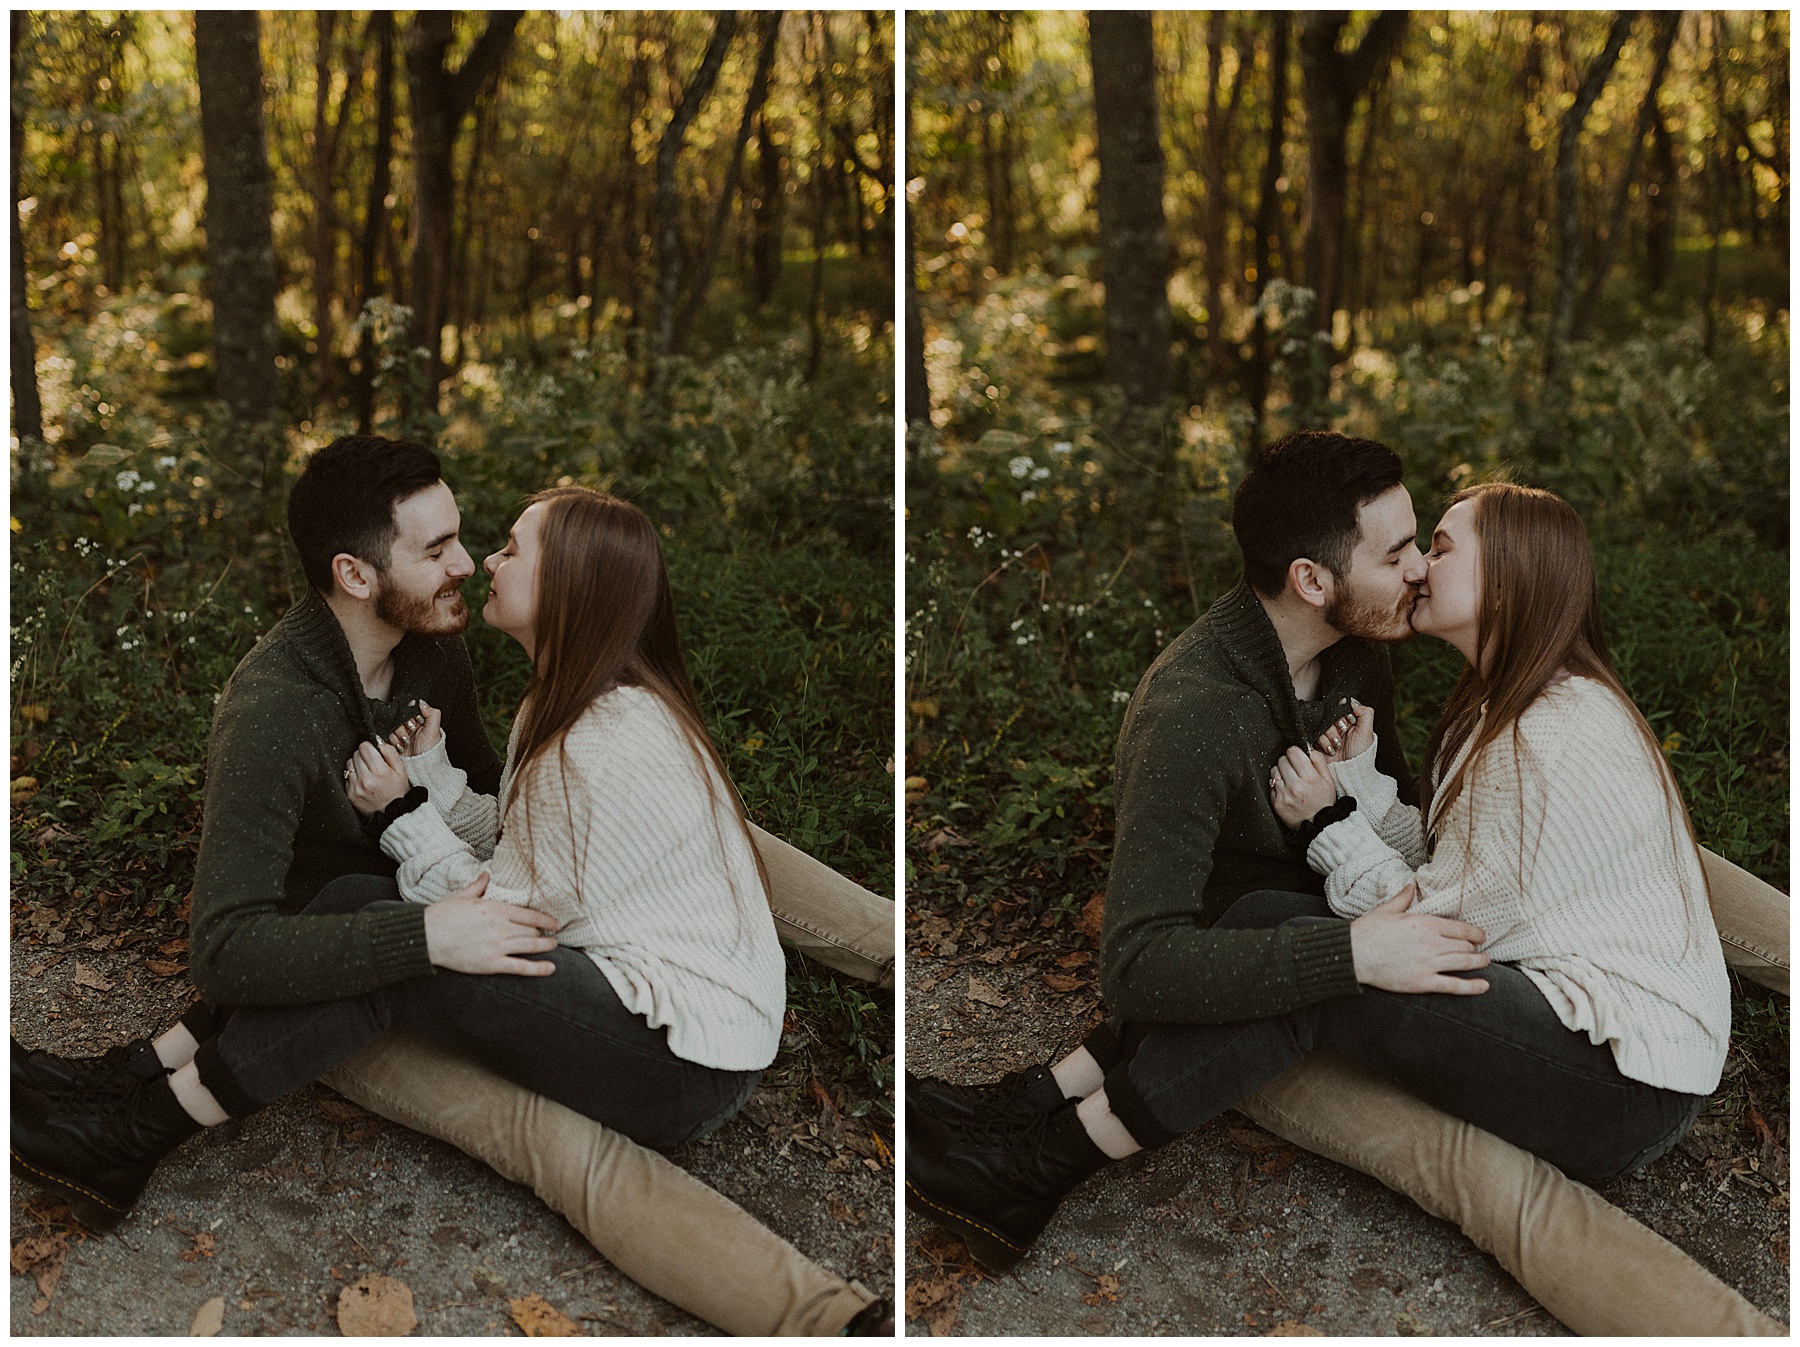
(1551, 246)
(650, 252)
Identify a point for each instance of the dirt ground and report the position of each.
(1232, 1231)
(277, 1214)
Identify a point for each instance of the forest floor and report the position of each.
(1232, 1231)
(276, 1215)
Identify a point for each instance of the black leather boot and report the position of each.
(112, 1072)
(874, 1320)
(1018, 1097)
(996, 1185)
(97, 1152)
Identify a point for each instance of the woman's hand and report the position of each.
(420, 734)
(374, 777)
(1300, 786)
(1349, 735)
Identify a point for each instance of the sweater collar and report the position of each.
(1251, 645)
(323, 651)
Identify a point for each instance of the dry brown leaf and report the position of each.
(1279, 1163)
(538, 1318)
(29, 1252)
(934, 1299)
(173, 946)
(343, 1111)
(88, 977)
(841, 1213)
(163, 969)
(1252, 1140)
(1293, 1328)
(1078, 959)
(1106, 1290)
(985, 993)
(1092, 917)
(205, 1246)
(47, 1274)
(1062, 983)
(376, 1307)
(368, 1133)
(209, 1319)
(927, 984)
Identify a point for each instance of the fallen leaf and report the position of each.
(1092, 917)
(1279, 1163)
(985, 994)
(538, 1318)
(1078, 959)
(1252, 1141)
(1062, 983)
(1106, 1290)
(368, 1133)
(376, 1307)
(27, 1253)
(48, 1273)
(841, 1213)
(821, 1096)
(1293, 1328)
(164, 970)
(205, 1246)
(87, 977)
(23, 786)
(924, 984)
(934, 1299)
(343, 1111)
(172, 946)
(1411, 1326)
(209, 1319)
(488, 1282)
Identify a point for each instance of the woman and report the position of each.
(1599, 1022)
(660, 1002)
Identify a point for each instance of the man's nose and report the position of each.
(1416, 567)
(462, 565)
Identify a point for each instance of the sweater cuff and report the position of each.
(1324, 966)
(376, 824)
(422, 832)
(1359, 776)
(1344, 842)
(397, 937)
(433, 770)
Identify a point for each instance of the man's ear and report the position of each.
(353, 576)
(1310, 582)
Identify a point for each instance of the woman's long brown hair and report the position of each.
(1539, 615)
(605, 619)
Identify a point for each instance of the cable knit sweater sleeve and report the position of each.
(623, 838)
(472, 817)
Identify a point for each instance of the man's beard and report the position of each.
(421, 615)
(1354, 616)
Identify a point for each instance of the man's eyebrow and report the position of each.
(441, 539)
(1403, 544)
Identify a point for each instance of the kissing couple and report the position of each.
(559, 965)
(1481, 988)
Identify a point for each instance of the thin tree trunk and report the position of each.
(766, 216)
(327, 128)
(753, 102)
(441, 98)
(375, 212)
(815, 304)
(28, 414)
(1568, 191)
(240, 249)
(1649, 116)
(918, 383)
(1134, 244)
(667, 213)
(1268, 203)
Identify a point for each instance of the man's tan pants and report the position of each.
(663, 1228)
(1595, 1268)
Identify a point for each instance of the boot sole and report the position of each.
(97, 1213)
(991, 1249)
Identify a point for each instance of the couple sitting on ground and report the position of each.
(552, 966)
(1461, 991)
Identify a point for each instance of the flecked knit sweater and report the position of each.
(649, 872)
(278, 826)
(1563, 848)
(1196, 829)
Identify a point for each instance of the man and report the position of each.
(379, 633)
(1331, 565)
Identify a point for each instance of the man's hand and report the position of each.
(1401, 951)
(1300, 786)
(374, 777)
(468, 934)
(1349, 735)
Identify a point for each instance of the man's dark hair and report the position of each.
(344, 501)
(1300, 499)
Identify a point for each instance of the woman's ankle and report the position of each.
(1078, 1075)
(175, 1047)
(1104, 1128)
(195, 1098)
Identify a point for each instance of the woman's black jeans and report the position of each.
(567, 1037)
(1500, 1060)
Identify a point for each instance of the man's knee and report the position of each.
(1268, 908)
(352, 893)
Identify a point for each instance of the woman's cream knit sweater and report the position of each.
(1563, 848)
(650, 873)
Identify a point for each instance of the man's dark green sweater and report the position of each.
(278, 826)
(1196, 830)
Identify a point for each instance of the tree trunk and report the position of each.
(753, 102)
(375, 211)
(766, 216)
(1659, 206)
(1268, 204)
(1649, 116)
(1332, 82)
(918, 383)
(667, 213)
(240, 249)
(996, 139)
(1134, 244)
(28, 415)
(441, 98)
(1568, 191)
(1216, 142)
(328, 122)
(815, 301)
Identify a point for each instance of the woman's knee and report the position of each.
(352, 893)
(1268, 908)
